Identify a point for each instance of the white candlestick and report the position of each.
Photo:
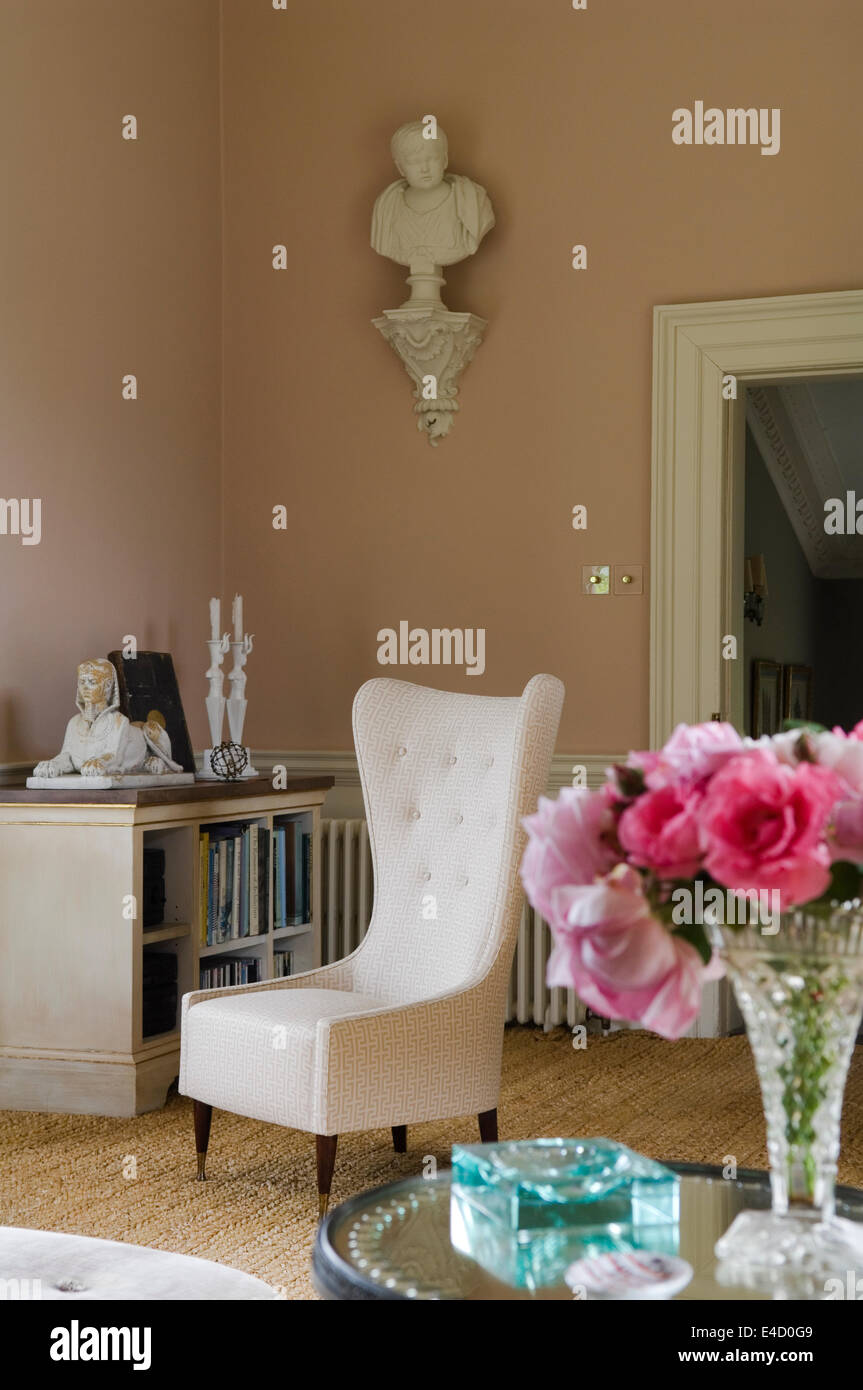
(237, 615)
(215, 618)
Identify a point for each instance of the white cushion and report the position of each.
(80, 1268)
(262, 1054)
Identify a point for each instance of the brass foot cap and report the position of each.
(202, 1159)
(323, 1203)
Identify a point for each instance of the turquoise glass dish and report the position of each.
(524, 1211)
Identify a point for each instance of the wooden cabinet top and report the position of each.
(20, 795)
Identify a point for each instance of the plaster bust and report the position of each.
(428, 218)
(100, 740)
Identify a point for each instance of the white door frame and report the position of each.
(697, 495)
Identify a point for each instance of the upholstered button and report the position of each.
(426, 876)
(452, 759)
(413, 813)
(71, 1286)
(402, 750)
(459, 820)
(465, 881)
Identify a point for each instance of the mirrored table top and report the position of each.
(393, 1242)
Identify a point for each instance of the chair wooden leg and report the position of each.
(488, 1126)
(325, 1151)
(400, 1138)
(203, 1120)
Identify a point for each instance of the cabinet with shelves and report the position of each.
(75, 1035)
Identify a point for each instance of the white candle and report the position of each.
(215, 618)
(237, 615)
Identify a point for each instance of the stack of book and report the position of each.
(292, 874)
(230, 970)
(283, 963)
(234, 882)
(159, 988)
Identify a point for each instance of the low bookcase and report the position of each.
(80, 992)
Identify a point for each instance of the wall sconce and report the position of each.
(754, 588)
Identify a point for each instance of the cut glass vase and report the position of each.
(800, 991)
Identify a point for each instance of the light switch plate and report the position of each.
(628, 579)
(594, 579)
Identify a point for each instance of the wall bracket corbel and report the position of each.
(434, 345)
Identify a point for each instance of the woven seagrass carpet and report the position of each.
(695, 1100)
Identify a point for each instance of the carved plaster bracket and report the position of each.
(435, 345)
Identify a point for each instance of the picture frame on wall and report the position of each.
(767, 694)
(797, 692)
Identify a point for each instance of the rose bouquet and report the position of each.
(709, 819)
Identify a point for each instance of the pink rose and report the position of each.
(620, 960)
(763, 826)
(843, 753)
(659, 831)
(693, 752)
(565, 844)
(847, 836)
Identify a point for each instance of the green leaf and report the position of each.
(695, 934)
(805, 725)
(845, 882)
(630, 780)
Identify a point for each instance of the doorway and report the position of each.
(706, 357)
(803, 554)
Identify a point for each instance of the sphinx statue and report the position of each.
(101, 742)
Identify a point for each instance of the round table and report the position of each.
(393, 1242)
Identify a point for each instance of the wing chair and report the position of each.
(409, 1027)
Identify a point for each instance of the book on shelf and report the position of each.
(292, 857)
(243, 904)
(234, 870)
(204, 862)
(222, 910)
(295, 905)
(263, 879)
(254, 882)
(234, 922)
(279, 890)
(306, 857)
(230, 970)
(283, 962)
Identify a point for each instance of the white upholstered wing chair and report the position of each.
(409, 1027)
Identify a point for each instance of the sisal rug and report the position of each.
(695, 1100)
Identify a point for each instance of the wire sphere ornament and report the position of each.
(228, 760)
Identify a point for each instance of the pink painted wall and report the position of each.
(110, 264)
(565, 117)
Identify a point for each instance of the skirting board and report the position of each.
(67, 1085)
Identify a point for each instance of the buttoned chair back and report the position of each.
(446, 779)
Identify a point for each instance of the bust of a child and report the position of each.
(428, 218)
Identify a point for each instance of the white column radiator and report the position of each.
(347, 892)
